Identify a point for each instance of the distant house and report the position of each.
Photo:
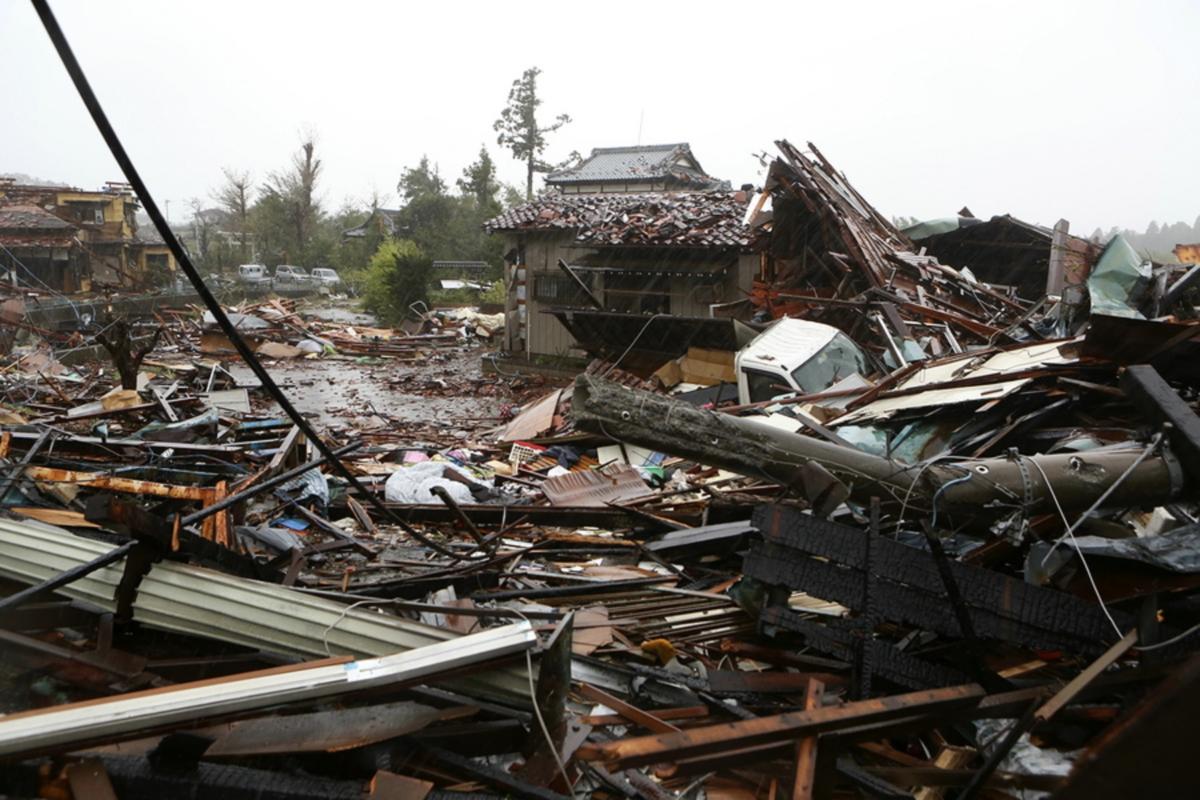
(106, 229)
(41, 251)
(645, 168)
(631, 255)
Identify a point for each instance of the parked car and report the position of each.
(289, 275)
(324, 276)
(253, 275)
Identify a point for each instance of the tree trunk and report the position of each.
(529, 180)
(117, 339)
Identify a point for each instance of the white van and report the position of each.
(324, 276)
(794, 355)
(253, 274)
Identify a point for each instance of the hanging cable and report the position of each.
(58, 38)
(1078, 550)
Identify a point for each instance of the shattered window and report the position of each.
(764, 385)
(836, 360)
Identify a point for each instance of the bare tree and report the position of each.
(296, 188)
(127, 355)
(234, 198)
(201, 227)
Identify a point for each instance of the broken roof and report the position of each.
(654, 162)
(681, 219)
(31, 218)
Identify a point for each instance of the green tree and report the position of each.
(479, 183)
(429, 214)
(519, 130)
(397, 277)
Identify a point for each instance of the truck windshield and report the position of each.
(836, 360)
(764, 386)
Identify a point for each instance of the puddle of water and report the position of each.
(338, 391)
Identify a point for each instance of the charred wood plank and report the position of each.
(888, 663)
(1001, 607)
(1155, 397)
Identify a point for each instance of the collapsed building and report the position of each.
(948, 548)
(68, 240)
(613, 258)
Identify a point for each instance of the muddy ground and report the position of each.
(444, 387)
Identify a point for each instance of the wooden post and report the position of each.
(806, 748)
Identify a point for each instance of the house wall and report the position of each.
(544, 335)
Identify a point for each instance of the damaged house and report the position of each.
(1032, 259)
(39, 250)
(630, 257)
(106, 231)
(616, 242)
(630, 170)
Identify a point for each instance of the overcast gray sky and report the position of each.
(1084, 110)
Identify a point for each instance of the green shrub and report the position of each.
(397, 277)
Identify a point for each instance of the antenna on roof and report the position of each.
(641, 119)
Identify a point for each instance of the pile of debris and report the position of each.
(920, 538)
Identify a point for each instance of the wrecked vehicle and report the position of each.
(795, 355)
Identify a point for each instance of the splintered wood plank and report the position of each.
(806, 748)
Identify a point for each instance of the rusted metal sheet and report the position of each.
(111, 483)
(1187, 253)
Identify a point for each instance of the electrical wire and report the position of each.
(631, 344)
(1172, 640)
(1087, 569)
(58, 38)
(938, 495)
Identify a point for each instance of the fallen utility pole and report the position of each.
(749, 448)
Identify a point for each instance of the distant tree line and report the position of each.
(1158, 240)
(283, 219)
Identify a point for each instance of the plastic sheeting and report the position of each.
(414, 484)
(1177, 551)
(1118, 280)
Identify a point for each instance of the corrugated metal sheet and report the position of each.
(203, 602)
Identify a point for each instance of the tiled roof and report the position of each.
(31, 218)
(680, 219)
(655, 162)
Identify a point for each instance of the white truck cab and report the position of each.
(795, 355)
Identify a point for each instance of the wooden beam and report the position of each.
(1155, 397)
(806, 748)
(643, 750)
(629, 712)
